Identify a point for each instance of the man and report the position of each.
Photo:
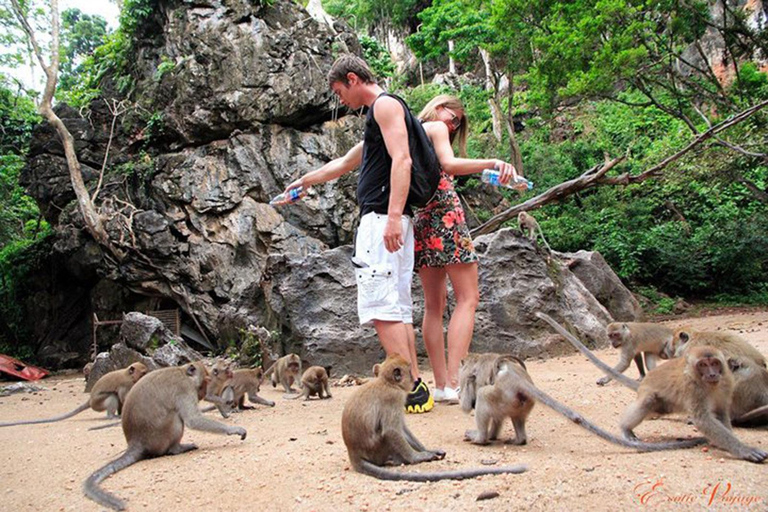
(384, 240)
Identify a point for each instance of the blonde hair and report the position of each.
(429, 113)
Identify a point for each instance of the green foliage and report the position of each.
(377, 57)
(18, 212)
(166, 65)
(250, 348)
(365, 14)
(18, 261)
(660, 304)
(80, 35)
(113, 58)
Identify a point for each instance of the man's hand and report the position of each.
(393, 233)
(296, 184)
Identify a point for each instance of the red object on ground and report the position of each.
(21, 370)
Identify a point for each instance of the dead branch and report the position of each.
(116, 109)
(596, 176)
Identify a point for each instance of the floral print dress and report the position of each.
(440, 229)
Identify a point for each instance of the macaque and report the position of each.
(750, 394)
(498, 387)
(218, 393)
(375, 434)
(494, 403)
(528, 223)
(247, 382)
(730, 344)
(285, 371)
(314, 381)
(108, 394)
(636, 340)
(700, 384)
(156, 412)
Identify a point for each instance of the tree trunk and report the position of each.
(496, 114)
(514, 148)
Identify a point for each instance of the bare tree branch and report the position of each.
(596, 175)
(116, 109)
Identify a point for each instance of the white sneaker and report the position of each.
(438, 395)
(450, 395)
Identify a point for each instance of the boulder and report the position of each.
(595, 273)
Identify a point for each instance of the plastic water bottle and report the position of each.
(292, 196)
(491, 176)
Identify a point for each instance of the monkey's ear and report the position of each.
(734, 364)
(397, 374)
(131, 370)
(684, 336)
(191, 370)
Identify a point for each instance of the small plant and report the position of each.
(250, 348)
(166, 66)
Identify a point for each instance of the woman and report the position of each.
(444, 247)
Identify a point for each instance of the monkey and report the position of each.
(247, 382)
(87, 369)
(156, 412)
(701, 384)
(218, 394)
(314, 381)
(285, 371)
(108, 394)
(502, 399)
(750, 394)
(513, 394)
(732, 345)
(637, 339)
(374, 430)
(528, 223)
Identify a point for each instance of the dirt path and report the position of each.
(294, 458)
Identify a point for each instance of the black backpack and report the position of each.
(425, 172)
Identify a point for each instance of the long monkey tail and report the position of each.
(85, 406)
(91, 485)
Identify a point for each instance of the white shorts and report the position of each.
(384, 281)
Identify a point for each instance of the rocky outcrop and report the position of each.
(315, 298)
(602, 282)
(143, 339)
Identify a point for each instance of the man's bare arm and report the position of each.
(390, 117)
(332, 170)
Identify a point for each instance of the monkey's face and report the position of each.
(616, 335)
(137, 371)
(199, 375)
(293, 367)
(397, 372)
(710, 369)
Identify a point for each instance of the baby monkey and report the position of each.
(314, 381)
(527, 222)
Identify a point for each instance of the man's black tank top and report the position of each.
(373, 181)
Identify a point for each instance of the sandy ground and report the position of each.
(294, 457)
